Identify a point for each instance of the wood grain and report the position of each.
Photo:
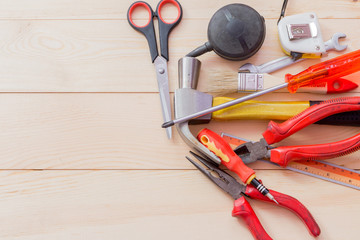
(113, 9)
(95, 131)
(109, 56)
(160, 205)
(82, 154)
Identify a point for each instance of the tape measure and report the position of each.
(315, 168)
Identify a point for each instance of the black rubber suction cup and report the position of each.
(235, 32)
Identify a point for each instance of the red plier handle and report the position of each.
(276, 132)
(286, 154)
(244, 210)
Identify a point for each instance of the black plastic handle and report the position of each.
(148, 29)
(166, 27)
(342, 119)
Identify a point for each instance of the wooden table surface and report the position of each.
(82, 154)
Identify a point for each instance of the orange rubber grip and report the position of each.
(325, 71)
(228, 157)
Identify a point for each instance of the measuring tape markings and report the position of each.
(316, 168)
(327, 172)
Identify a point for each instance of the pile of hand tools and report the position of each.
(236, 32)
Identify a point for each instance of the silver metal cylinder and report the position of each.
(189, 70)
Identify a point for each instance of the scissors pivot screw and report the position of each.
(161, 71)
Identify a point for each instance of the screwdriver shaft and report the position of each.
(222, 106)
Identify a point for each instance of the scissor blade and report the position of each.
(163, 83)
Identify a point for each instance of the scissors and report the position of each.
(159, 61)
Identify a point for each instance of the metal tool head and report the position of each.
(333, 43)
(252, 151)
(219, 177)
(274, 65)
(269, 67)
(248, 68)
(188, 100)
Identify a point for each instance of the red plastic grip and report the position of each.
(283, 155)
(276, 132)
(229, 158)
(340, 85)
(289, 203)
(331, 69)
(136, 5)
(172, 2)
(243, 209)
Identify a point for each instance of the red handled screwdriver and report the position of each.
(231, 160)
(318, 73)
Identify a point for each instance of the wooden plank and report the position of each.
(109, 56)
(108, 169)
(118, 131)
(160, 204)
(112, 9)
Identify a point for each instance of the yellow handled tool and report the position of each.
(276, 110)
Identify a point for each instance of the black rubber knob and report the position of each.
(236, 31)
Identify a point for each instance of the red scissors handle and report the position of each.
(166, 27)
(132, 9)
(148, 29)
(173, 2)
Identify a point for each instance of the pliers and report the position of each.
(241, 206)
(252, 151)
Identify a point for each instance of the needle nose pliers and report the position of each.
(241, 206)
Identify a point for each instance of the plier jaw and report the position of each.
(252, 151)
(219, 177)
